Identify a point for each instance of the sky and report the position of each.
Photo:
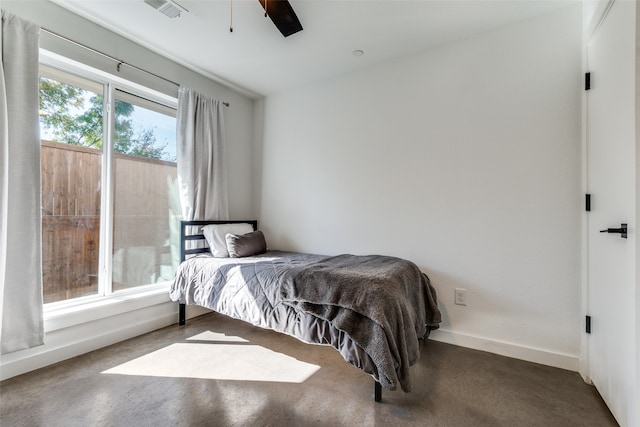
(164, 128)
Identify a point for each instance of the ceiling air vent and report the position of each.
(167, 7)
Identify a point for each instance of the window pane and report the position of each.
(146, 204)
(71, 129)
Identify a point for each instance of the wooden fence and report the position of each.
(71, 193)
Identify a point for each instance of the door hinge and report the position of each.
(587, 81)
(587, 328)
(587, 202)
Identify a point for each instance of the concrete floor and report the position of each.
(453, 386)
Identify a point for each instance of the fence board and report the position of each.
(71, 191)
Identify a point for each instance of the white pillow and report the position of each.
(216, 233)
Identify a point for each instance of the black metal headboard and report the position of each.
(198, 236)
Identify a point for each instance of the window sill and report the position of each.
(69, 315)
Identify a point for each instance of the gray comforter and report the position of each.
(372, 309)
(384, 304)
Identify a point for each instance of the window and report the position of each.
(71, 164)
(109, 193)
(143, 192)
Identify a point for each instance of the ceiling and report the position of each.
(256, 59)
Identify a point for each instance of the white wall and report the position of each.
(71, 334)
(464, 159)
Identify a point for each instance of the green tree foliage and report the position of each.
(75, 118)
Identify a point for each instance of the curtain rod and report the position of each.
(119, 61)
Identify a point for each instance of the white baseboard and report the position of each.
(530, 354)
(65, 343)
(72, 342)
(54, 354)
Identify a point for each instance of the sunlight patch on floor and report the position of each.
(215, 337)
(223, 358)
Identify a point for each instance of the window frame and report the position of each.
(106, 302)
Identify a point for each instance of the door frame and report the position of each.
(589, 30)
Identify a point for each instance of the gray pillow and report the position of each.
(244, 245)
(216, 236)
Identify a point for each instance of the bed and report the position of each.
(373, 309)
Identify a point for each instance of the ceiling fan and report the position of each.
(280, 12)
(282, 15)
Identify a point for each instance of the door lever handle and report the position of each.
(622, 230)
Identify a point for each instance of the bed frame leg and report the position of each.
(182, 316)
(378, 392)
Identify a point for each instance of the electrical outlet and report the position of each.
(460, 296)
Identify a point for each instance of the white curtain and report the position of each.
(20, 215)
(201, 158)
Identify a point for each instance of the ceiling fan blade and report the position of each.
(282, 15)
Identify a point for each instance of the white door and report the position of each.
(611, 174)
